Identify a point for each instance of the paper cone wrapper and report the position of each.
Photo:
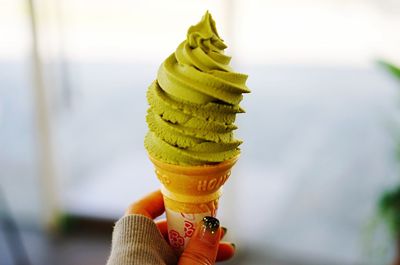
(190, 193)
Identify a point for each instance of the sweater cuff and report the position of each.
(137, 240)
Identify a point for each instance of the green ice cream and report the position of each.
(194, 101)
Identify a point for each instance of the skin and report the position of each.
(200, 250)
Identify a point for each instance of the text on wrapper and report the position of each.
(208, 185)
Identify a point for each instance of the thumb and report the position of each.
(203, 246)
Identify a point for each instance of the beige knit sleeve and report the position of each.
(136, 240)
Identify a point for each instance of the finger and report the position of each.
(163, 228)
(225, 251)
(203, 246)
(151, 206)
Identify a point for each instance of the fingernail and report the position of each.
(224, 229)
(209, 230)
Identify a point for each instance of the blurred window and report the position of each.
(318, 101)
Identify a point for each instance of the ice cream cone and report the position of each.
(190, 193)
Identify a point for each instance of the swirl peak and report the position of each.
(205, 35)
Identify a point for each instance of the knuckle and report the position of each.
(198, 258)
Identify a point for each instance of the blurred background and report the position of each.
(319, 133)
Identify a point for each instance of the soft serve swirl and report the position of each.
(194, 101)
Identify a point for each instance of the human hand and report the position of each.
(204, 248)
